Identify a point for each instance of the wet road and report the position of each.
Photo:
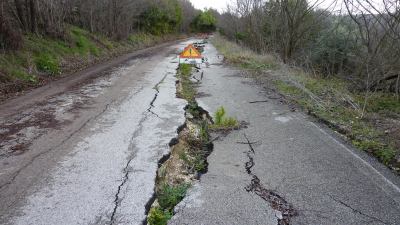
(89, 154)
(282, 159)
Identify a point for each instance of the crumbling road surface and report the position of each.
(84, 149)
(282, 169)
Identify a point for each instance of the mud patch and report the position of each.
(20, 130)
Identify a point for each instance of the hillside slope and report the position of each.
(42, 59)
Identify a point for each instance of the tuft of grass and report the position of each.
(221, 121)
(83, 45)
(47, 63)
(23, 75)
(157, 216)
(169, 196)
(382, 103)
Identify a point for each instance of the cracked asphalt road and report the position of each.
(293, 162)
(88, 154)
(84, 150)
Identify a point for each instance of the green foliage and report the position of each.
(240, 36)
(200, 164)
(204, 22)
(204, 132)
(23, 76)
(384, 103)
(142, 39)
(223, 122)
(45, 53)
(333, 103)
(287, 89)
(83, 45)
(332, 48)
(185, 70)
(219, 115)
(195, 160)
(383, 152)
(194, 109)
(47, 63)
(158, 216)
(169, 196)
(164, 19)
(187, 92)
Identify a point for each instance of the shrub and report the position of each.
(47, 63)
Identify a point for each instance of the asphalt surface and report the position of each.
(306, 165)
(86, 152)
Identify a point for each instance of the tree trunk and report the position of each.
(20, 14)
(33, 11)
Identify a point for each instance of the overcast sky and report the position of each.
(216, 4)
(220, 5)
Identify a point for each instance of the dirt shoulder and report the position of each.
(69, 81)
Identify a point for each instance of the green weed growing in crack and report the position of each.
(187, 91)
(193, 108)
(222, 121)
(169, 196)
(185, 70)
(157, 216)
(204, 136)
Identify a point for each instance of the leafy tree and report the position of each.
(163, 19)
(205, 22)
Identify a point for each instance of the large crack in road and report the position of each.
(126, 170)
(276, 201)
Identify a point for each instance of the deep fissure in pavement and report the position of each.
(187, 160)
(276, 201)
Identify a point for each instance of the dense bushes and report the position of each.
(159, 20)
(204, 22)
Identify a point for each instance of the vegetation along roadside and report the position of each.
(374, 129)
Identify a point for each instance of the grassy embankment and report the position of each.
(376, 129)
(42, 58)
